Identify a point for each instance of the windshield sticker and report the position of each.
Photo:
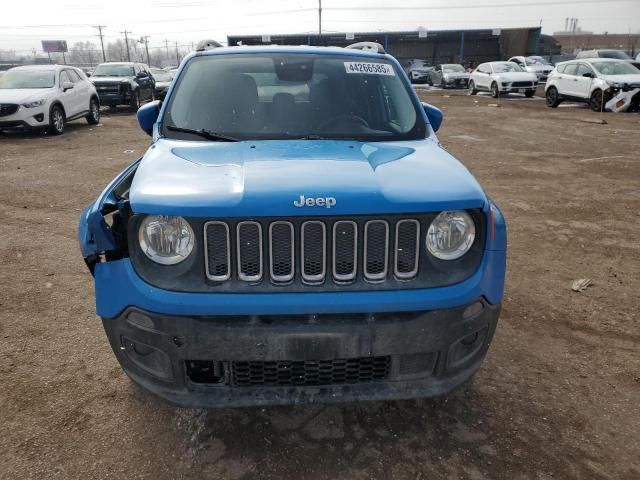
(369, 68)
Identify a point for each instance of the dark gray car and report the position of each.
(451, 75)
(123, 83)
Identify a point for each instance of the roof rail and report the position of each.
(367, 47)
(207, 45)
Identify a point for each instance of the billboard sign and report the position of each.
(54, 46)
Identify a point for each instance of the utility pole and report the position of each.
(145, 40)
(320, 18)
(166, 46)
(100, 27)
(177, 54)
(126, 42)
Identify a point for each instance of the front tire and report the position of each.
(472, 88)
(134, 103)
(495, 91)
(553, 99)
(529, 93)
(597, 101)
(93, 118)
(56, 120)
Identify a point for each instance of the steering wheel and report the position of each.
(345, 118)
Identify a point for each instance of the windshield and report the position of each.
(27, 79)
(161, 76)
(506, 67)
(284, 96)
(615, 68)
(617, 54)
(535, 60)
(113, 71)
(420, 64)
(453, 68)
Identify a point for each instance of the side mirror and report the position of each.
(141, 75)
(434, 115)
(88, 74)
(588, 75)
(148, 115)
(67, 86)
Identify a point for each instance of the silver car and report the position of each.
(450, 75)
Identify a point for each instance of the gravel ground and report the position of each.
(557, 397)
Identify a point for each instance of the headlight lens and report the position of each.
(451, 235)
(166, 240)
(35, 103)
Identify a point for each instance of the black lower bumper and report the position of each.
(241, 361)
(113, 99)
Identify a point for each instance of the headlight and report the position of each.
(35, 103)
(450, 235)
(166, 240)
(614, 84)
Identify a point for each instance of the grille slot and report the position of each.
(522, 84)
(216, 244)
(310, 372)
(407, 246)
(345, 250)
(249, 238)
(376, 250)
(7, 109)
(281, 251)
(313, 251)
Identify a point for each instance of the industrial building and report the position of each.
(468, 47)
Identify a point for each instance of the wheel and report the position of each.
(553, 99)
(472, 88)
(495, 91)
(597, 101)
(56, 120)
(430, 81)
(529, 93)
(411, 79)
(93, 118)
(135, 101)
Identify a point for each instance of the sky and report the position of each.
(24, 23)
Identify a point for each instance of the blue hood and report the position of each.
(264, 178)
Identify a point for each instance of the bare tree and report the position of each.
(116, 51)
(83, 52)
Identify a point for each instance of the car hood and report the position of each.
(456, 75)
(633, 79)
(265, 178)
(21, 95)
(163, 84)
(110, 79)
(516, 76)
(539, 68)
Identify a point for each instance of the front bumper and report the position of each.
(457, 82)
(429, 353)
(113, 99)
(25, 119)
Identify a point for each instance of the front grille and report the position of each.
(108, 88)
(313, 251)
(7, 109)
(522, 84)
(310, 372)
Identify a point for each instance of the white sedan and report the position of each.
(46, 97)
(502, 77)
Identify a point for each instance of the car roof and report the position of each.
(302, 49)
(118, 63)
(41, 67)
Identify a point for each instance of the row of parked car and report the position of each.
(49, 96)
(605, 79)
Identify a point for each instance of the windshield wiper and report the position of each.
(203, 132)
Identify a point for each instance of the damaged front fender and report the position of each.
(97, 237)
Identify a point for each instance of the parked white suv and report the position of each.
(594, 80)
(46, 96)
(502, 77)
(534, 64)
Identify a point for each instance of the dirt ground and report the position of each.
(558, 397)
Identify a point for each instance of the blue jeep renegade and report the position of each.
(295, 233)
